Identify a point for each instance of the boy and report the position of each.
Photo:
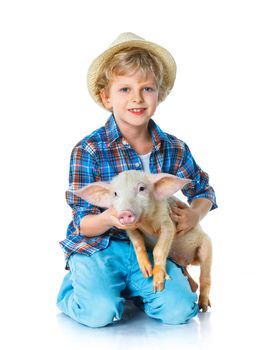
(129, 79)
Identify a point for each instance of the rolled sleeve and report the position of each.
(199, 187)
(83, 171)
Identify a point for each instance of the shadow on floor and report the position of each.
(137, 329)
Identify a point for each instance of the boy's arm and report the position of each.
(201, 206)
(187, 217)
(199, 187)
(200, 194)
(83, 170)
(95, 225)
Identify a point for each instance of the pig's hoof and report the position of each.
(167, 277)
(203, 307)
(158, 286)
(147, 270)
(203, 303)
(145, 267)
(159, 278)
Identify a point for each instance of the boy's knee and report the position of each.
(174, 311)
(178, 312)
(99, 312)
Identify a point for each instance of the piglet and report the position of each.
(142, 202)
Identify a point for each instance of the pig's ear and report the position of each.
(165, 185)
(97, 193)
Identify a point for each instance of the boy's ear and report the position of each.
(105, 99)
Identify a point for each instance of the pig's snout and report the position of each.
(126, 217)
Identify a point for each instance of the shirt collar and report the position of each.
(113, 133)
(157, 134)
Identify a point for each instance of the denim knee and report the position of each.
(178, 311)
(171, 310)
(99, 312)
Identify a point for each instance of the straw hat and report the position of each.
(127, 40)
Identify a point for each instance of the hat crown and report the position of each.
(124, 37)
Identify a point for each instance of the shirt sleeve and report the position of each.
(199, 187)
(82, 172)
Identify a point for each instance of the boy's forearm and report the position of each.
(95, 225)
(202, 206)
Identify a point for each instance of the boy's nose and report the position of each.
(126, 217)
(137, 98)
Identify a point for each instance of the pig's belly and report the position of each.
(150, 239)
(184, 249)
(150, 236)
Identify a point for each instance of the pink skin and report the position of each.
(126, 217)
(101, 193)
(132, 99)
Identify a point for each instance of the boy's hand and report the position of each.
(185, 217)
(111, 215)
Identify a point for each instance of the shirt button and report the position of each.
(137, 165)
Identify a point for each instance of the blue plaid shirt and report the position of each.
(105, 153)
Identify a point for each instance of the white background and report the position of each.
(46, 48)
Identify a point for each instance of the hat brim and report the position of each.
(96, 66)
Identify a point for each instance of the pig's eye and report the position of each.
(115, 194)
(141, 188)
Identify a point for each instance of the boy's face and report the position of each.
(132, 98)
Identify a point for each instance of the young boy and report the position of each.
(129, 79)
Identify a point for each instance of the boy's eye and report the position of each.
(124, 89)
(148, 89)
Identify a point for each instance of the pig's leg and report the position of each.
(205, 257)
(139, 245)
(161, 252)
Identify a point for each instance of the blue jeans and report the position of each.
(94, 291)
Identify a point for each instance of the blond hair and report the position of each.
(129, 61)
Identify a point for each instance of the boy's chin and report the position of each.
(138, 120)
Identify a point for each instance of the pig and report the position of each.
(142, 202)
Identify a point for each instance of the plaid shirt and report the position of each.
(105, 153)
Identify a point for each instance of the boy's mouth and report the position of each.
(137, 111)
